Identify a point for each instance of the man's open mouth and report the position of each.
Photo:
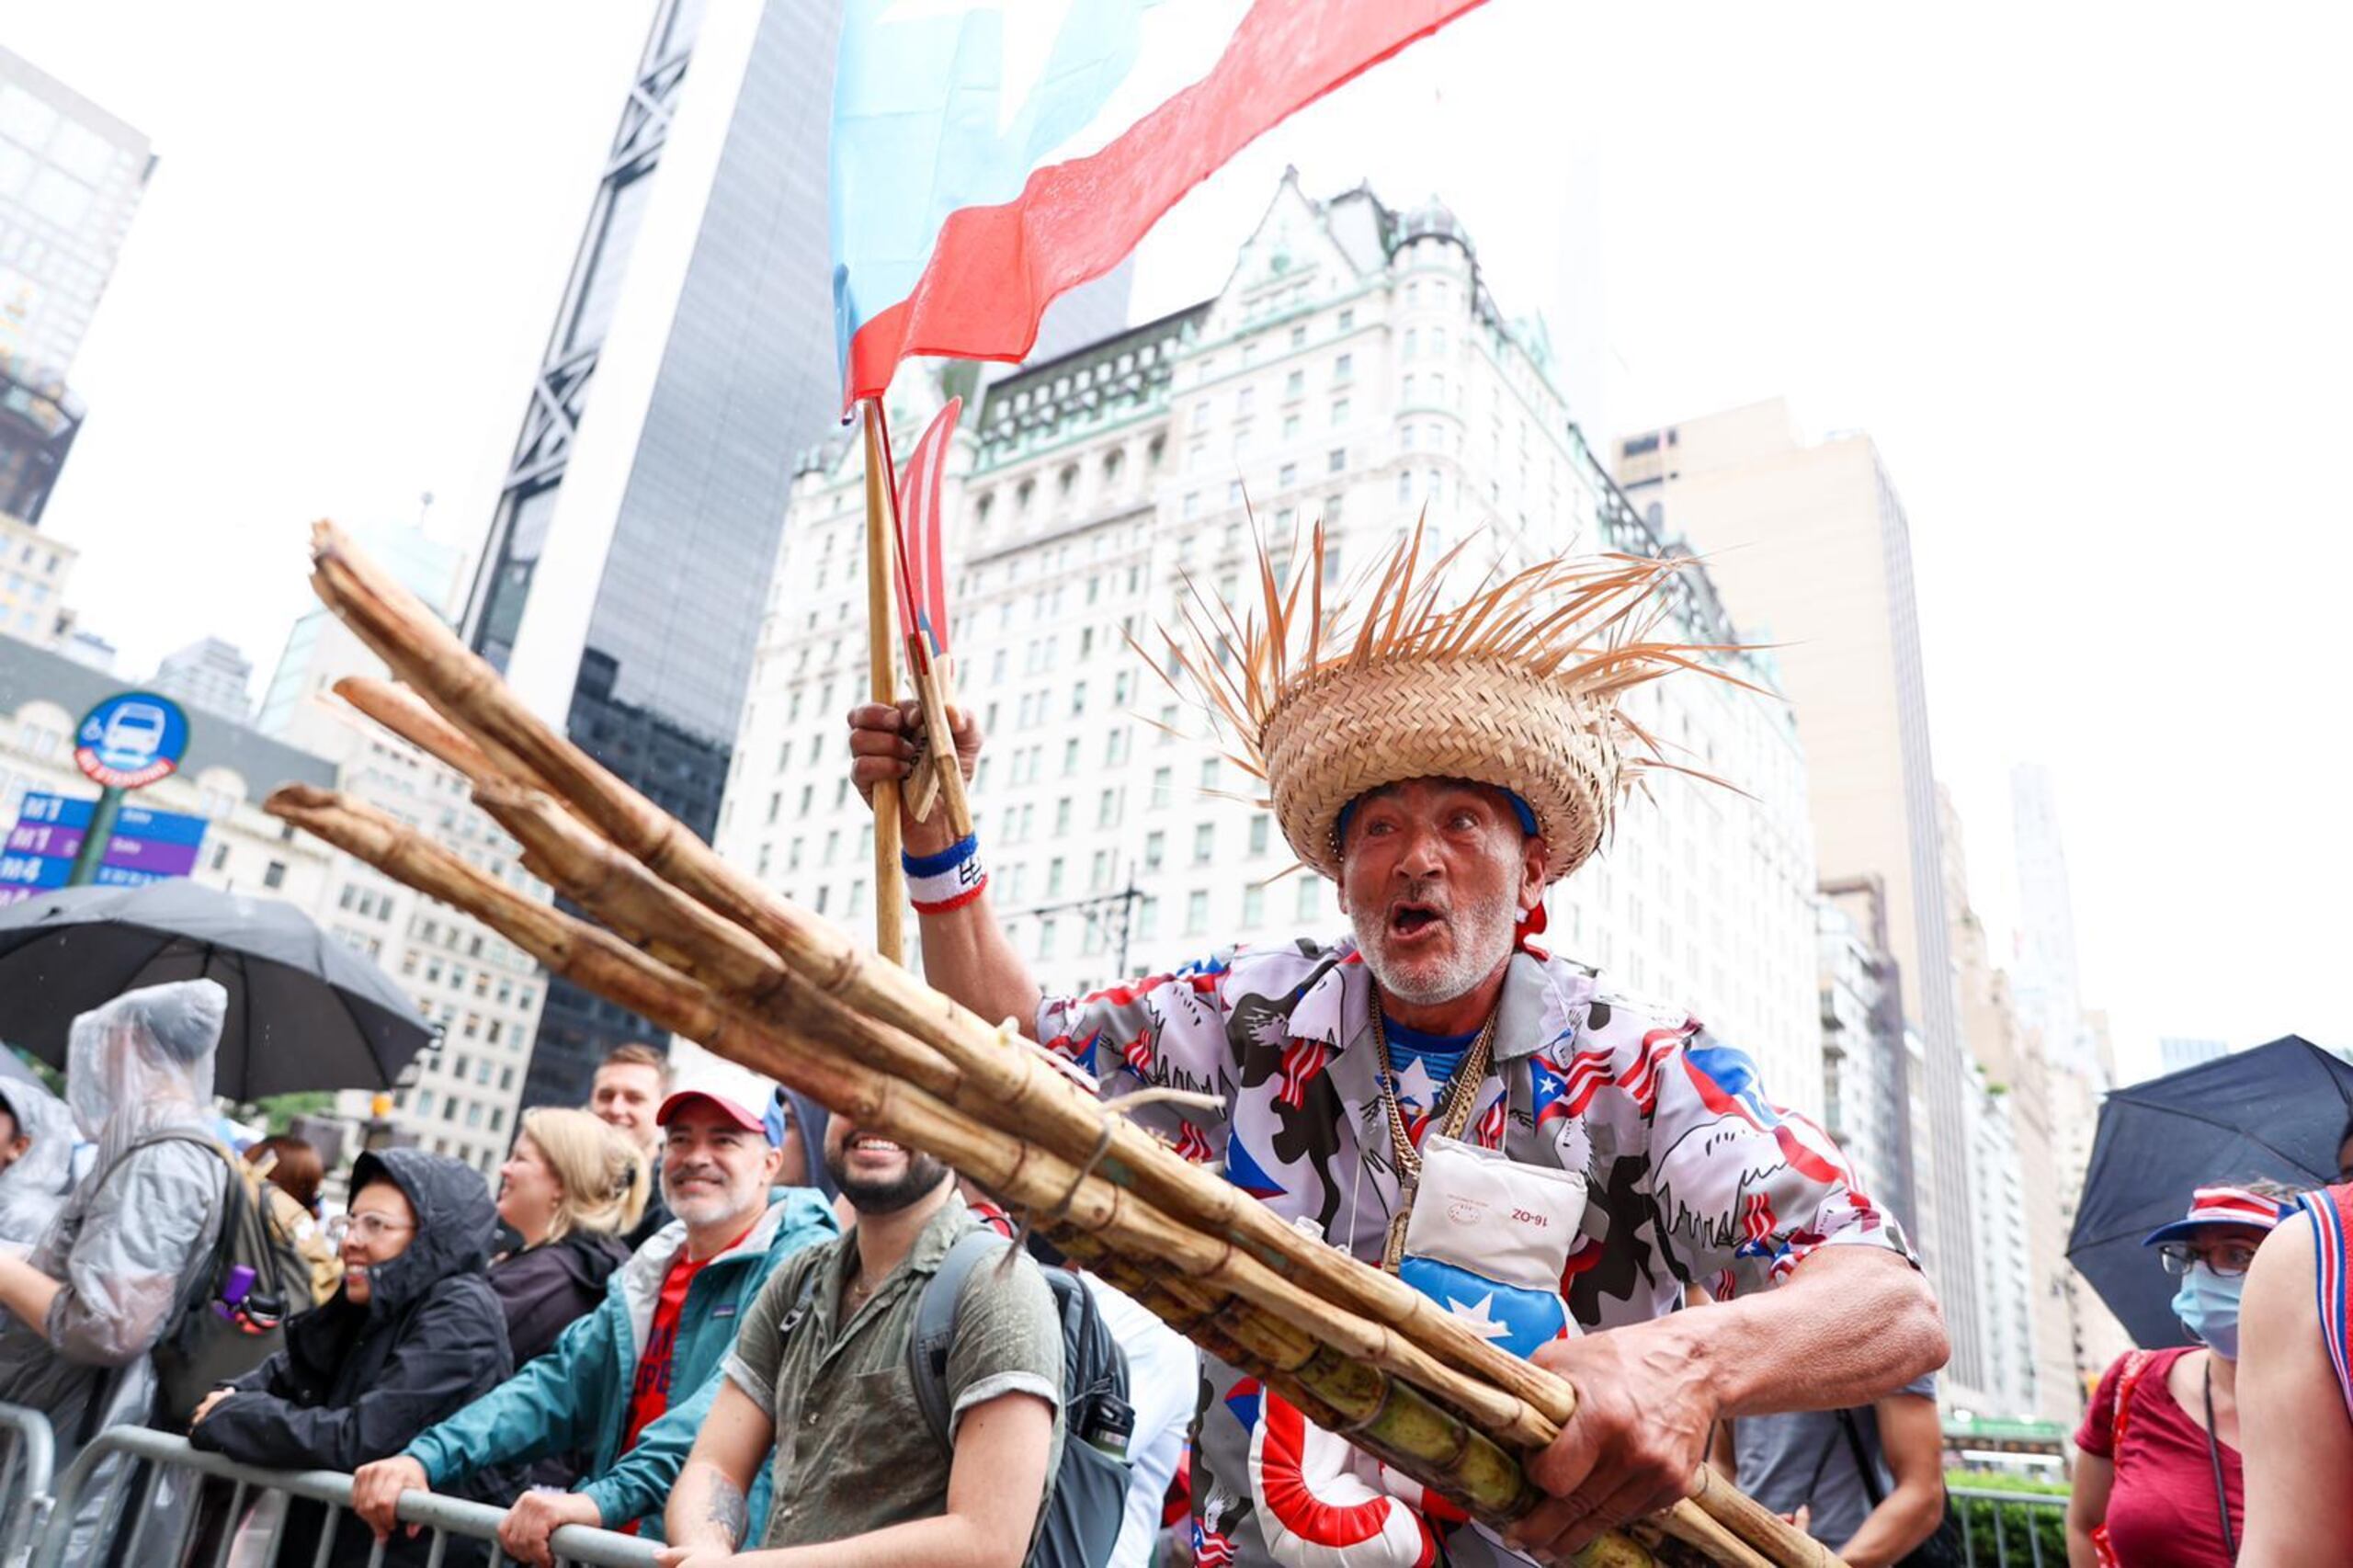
(1412, 919)
(868, 1144)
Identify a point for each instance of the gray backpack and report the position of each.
(1087, 1503)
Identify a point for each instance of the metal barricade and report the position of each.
(1999, 1529)
(27, 1465)
(138, 1529)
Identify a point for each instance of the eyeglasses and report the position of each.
(2230, 1259)
(370, 1227)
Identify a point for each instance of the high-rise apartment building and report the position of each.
(460, 1099)
(71, 177)
(2176, 1052)
(209, 674)
(1866, 1067)
(2068, 1046)
(2049, 993)
(693, 355)
(1811, 542)
(2030, 1364)
(1999, 1226)
(34, 567)
(1355, 371)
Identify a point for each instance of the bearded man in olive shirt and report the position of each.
(819, 1375)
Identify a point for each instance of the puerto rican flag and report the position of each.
(1562, 1092)
(990, 155)
(1727, 1084)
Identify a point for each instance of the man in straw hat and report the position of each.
(1437, 1094)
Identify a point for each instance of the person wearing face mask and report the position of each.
(2158, 1481)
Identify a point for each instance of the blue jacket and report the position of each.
(576, 1397)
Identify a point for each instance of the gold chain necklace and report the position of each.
(1462, 1092)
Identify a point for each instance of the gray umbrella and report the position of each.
(305, 1012)
(2275, 1112)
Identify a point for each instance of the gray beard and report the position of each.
(1482, 933)
(701, 1210)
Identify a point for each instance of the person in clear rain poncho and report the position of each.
(86, 1308)
(39, 1141)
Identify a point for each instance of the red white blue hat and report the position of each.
(2219, 1206)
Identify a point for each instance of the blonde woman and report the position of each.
(570, 1189)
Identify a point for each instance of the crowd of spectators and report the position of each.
(687, 1317)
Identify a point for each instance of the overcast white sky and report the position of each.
(2082, 271)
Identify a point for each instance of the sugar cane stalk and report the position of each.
(1419, 1436)
(420, 648)
(417, 645)
(688, 937)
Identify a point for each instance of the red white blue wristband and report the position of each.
(950, 879)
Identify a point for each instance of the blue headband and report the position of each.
(1519, 809)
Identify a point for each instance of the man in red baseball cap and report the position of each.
(630, 1384)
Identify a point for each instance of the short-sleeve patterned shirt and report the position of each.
(853, 1451)
(1694, 1173)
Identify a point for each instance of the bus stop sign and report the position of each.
(130, 740)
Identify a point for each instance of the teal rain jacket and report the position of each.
(576, 1397)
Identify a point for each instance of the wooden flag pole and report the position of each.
(890, 880)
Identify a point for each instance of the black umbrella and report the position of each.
(305, 1012)
(2277, 1110)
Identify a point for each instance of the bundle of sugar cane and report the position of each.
(693, 946)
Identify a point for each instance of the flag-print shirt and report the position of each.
(1693, 1173)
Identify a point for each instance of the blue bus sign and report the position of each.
(130, 740)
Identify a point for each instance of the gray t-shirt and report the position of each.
(1804, 1458)
(853, 1451)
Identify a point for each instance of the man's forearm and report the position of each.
(967, 954)
(944, 1540)
(1851, 1323)
(1904, 1519)
(707, 1507)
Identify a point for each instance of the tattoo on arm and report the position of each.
(728, 1510)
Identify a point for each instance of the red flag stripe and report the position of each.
(923, 578)
(994, 270)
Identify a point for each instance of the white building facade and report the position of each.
(1865, 1062)
(1354, 371)
(2007, 1299)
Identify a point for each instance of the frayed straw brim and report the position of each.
(1517, 687)
(1342, 733)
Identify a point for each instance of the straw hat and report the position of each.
(1517, 687)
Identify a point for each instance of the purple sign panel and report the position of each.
(147, 846)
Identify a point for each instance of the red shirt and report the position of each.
(2161, 1509)
(648, 1398)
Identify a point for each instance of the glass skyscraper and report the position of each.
(692, 359)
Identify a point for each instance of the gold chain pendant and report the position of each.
(1462, 1092)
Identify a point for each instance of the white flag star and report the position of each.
(1415, 1086)
(1478, 1316)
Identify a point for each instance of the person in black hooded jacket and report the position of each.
(414, 1334)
